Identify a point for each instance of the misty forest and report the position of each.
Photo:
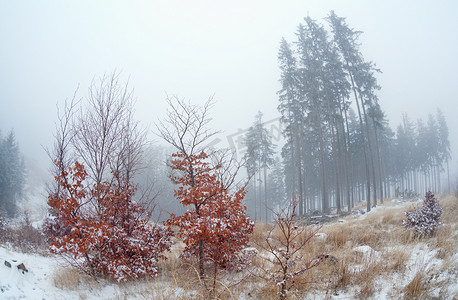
(342, 205)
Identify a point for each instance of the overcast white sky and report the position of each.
(196, 49)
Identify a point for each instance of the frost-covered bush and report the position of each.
(426, 219)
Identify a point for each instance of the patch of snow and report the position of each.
(421, 258)
(369, 254)
(321, 235)
(34, 284)
(267, 256)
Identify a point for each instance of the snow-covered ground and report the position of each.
(36, 283)
(39, 282)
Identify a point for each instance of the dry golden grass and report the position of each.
(449, 205)
(71, 279)
(395, 217)
(417, 287)
(396, 259)
(178, 274)
(446, 236)
(260, 232)
(184, 276)
(22, 236)
(337, 237)
(382, 231)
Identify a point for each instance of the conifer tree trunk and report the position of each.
(255, 197)
(368, 184)
(324, 193)
(379, 160)
(371, 153)
(299, 172)
(265, 194)
(349, 165)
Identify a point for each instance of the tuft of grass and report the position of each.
(365, 278)
(449, 206)
(23, 237)
(260, 232)
(396, 260)
(393, 217)
(366, 269)
(183, 275)
(417, 287)
(343, 276)
(338, 237)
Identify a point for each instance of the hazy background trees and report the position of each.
(259, 158)
(12, 174)
(332, 156)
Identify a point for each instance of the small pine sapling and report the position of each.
(285, 245)
(426, 219)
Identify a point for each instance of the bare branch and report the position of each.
(186, 125)
(285, 248)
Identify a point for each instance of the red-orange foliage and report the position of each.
(217, 220)
(103, 228)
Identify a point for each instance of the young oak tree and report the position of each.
(216, 227)
(218, 220)
(95, 222)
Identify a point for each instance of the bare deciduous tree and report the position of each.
(185, 126)
(101, 132)
(107, 139)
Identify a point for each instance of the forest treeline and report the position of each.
(339, 147)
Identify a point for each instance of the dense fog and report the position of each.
(229, 52)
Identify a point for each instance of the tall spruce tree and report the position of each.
(291, 109)
(364, 85)
(324, 86)
(276, 184)
(259, 156)
(444, 143)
